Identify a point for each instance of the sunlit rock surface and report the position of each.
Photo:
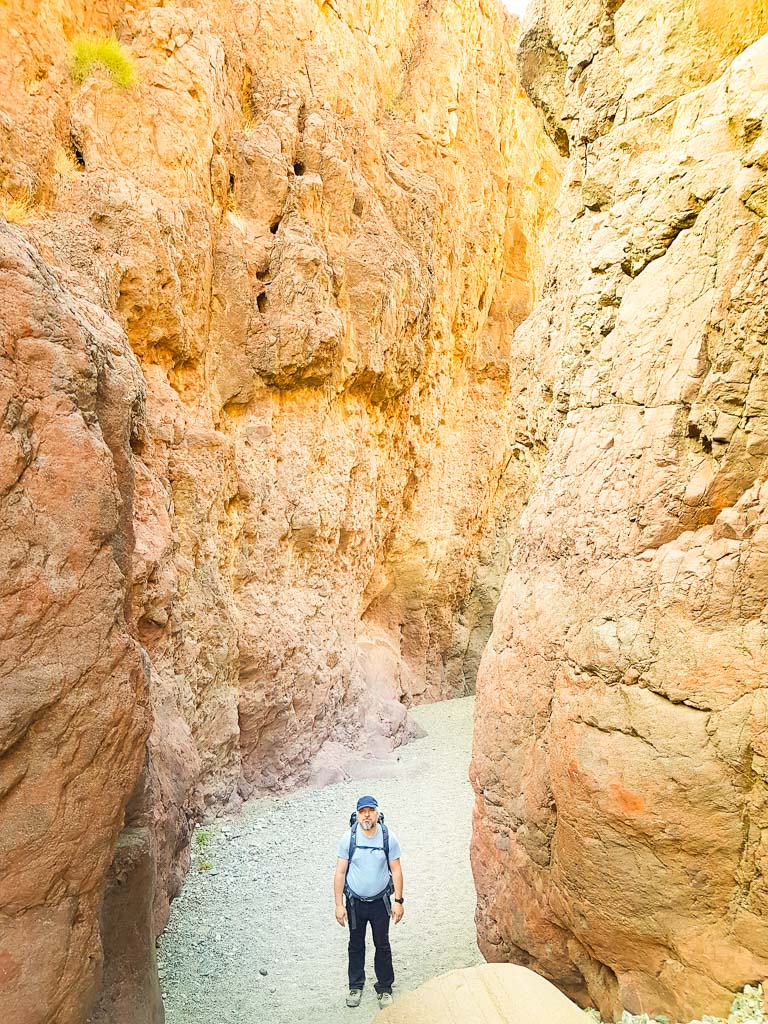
(283, 460)
(488, 994)
(621, 830)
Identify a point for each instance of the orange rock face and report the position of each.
(317, 226)
(621, 829)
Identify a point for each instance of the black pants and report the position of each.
(376, 913)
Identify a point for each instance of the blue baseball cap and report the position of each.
(367, 801)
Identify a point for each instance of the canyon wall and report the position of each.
(621, 744)
(74, 699)
(260, 450)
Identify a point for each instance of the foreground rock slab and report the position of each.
(487, 994)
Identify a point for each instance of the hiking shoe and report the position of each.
(385, 999)
(354, 997)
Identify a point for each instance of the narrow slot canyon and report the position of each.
(383, 406)
(258, 897)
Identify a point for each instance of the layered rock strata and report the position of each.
(620, 759)
(285, 268)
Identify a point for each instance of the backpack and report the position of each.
(353, 823)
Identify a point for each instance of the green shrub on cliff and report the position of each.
(107, 52)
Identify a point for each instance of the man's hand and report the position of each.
(397, 912)
(339, 878)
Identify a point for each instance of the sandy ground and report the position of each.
(254, 939)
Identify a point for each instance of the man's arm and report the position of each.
(397, 877)
(338, 890)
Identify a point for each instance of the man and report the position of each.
(364, 879)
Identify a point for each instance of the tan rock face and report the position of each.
(620, 750)
(486, 994)
(317, 225)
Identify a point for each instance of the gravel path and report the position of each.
(253, 940)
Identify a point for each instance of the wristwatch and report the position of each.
(399, 900)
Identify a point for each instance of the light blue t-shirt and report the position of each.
(368, 870)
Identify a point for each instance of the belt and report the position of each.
(352, 897)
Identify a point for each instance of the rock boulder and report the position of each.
(488, 994)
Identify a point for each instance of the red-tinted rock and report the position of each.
(73, 699)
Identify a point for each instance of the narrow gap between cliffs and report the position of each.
(253, 936)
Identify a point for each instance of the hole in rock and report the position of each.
(273, 227)
(298, 168)
(261, 302)
(262, 275)
(77, 153)
(231, 182)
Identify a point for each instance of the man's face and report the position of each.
(368, 816)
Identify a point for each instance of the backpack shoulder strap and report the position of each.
(351, 853)
(385, 834)
(352, 842)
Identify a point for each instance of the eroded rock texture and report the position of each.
(74, 683)
(317, 226)
(620, 761)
